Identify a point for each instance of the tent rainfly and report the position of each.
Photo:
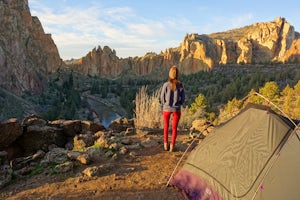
(255, 155)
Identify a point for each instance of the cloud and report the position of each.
(147, 29)
(225, 23)
(120, 28)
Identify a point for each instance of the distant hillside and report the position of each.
(34, 79)
(13, 106)
(29, 55)
(259, 43)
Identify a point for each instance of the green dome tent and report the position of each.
(255, 155)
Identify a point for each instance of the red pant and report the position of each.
(176, 117)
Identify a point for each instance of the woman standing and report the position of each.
(172, 97)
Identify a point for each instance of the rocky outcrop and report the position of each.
(106, 58)
(9, 131)
(34, 133)
(43, 146)
(27, 54)
(265, 42)
(293, 53)
(270, 41)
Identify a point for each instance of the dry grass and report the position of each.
(148, 112)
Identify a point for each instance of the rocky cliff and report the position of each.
(264, 42)
(27, 54)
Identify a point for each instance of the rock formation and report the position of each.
(27, 54)
(264, 42)
(106, 58)
(293, 53)
(64, 143)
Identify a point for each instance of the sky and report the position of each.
(135, 27)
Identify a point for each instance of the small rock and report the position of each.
(64, 167)
(91, 171)
(109, 154)
(100, 134)
(115, 156)
(129, 131)
(114, 146)
(123, 150)
(73, 155)
(84, 159)
(126, 141)
(38, 155)
(133, 154)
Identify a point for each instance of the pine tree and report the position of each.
(199, 103)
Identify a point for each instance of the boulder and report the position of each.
(9, 131)
(69, 127)
(83, 158)
(121, 124)
(56, 155)
(39, 137)
(103, 142)
(31, 120)
(82, 141)
(88, 126)
(96, 154)
(22, 162)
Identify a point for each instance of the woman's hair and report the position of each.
(173, 77)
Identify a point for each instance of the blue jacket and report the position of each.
(172, 100)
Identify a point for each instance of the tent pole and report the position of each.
(276, 108)
(180, 161)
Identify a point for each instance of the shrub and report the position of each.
(188, 116)
(148, 111)
(230, 110)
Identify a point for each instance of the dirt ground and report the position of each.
(142, 176)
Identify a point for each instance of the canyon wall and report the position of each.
(27, 54)
(263, 42)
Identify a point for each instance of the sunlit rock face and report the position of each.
(27, 54)
(293, 53)
(263, 42)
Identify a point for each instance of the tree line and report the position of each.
(207, 90)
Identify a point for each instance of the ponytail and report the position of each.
(173, 77)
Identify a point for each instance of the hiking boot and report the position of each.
(171, 148)
(166, 146)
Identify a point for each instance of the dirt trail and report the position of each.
(142, 174)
